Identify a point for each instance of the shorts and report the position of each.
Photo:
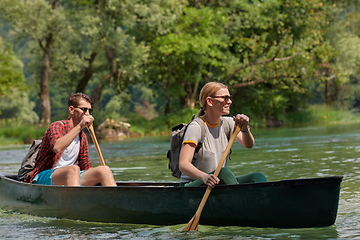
(45, 177)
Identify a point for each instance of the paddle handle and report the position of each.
(93, 137)
(194, 222)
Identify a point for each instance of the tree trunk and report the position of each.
(327, 92)
(97, 92)
(88, 72)
(45, 106)
(191, 97)
(167, 109)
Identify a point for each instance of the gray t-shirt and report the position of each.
(215, 143)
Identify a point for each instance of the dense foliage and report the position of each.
(11, 76)
(147, 59)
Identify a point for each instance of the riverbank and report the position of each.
(316, 115)
(13, 133)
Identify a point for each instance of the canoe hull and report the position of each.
(287, 204)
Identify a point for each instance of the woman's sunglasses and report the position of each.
(226, 98)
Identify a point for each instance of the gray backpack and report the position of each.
(176, 140)
(28, 162)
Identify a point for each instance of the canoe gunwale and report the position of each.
(175, 185)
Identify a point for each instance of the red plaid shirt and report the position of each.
(47, 158)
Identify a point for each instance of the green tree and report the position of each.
(18, 108)
(99, 52)
(273, 45)
(336, 70)
(181, 59)
(266, 49)
(40, 21)
(11, 76)
(276, 56)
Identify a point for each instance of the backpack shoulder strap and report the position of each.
(227, 127)
(60, 122)
(202, 126)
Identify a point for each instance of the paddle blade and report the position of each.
(193, 223)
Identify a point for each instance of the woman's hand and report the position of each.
(210, 180)
(243, 121)
(244, 137)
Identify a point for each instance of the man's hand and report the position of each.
(86, 121)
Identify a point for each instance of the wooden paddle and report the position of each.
(92, 133)
(194, 222)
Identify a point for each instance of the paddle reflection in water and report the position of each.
(286, 153)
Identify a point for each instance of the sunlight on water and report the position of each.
(285, 153)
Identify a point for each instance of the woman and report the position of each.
(215, 101)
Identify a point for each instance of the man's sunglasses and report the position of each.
(85, 109)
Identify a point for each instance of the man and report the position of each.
(63, 158)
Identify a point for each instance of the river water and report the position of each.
(284, 153)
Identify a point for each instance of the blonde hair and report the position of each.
(208, 90)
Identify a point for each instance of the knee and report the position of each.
(255, 177)
(227, 177)
(226, 171)
(103, 170)
(73, 169)
(259, 177)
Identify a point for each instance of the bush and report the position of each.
(12, 133)
(321, 114)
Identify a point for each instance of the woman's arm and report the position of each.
(186, 167)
